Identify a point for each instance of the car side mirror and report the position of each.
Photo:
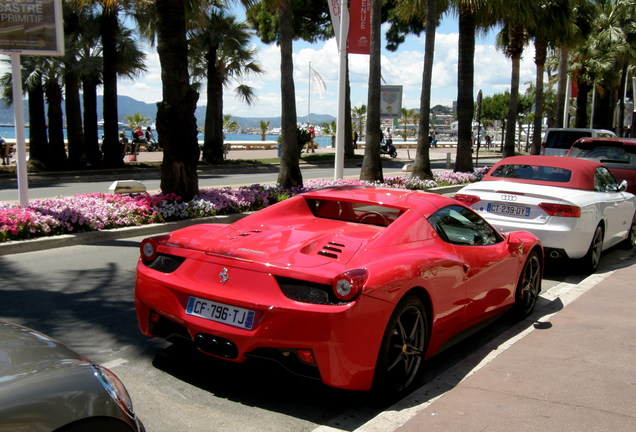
(514, 244)
(622, 187)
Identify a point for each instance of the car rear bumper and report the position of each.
(344, 339)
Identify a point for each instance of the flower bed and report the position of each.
(99, 211)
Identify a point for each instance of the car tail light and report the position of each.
(561, 210)
(347, 285)
(467, 199)
(149, 246)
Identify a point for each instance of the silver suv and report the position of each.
(558, 141)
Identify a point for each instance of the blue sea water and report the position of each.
(323, 141)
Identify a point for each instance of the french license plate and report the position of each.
(509, 209)
(220, 312)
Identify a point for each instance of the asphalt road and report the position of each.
(83, 295)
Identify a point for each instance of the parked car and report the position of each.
(617, 154)
(558, 141)
(352, 286)
(574, 206)
(45, 386)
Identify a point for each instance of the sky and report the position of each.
(403, 67)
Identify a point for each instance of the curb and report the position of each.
(23, 246)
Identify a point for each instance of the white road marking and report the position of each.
(114, 363)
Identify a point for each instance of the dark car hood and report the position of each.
(25, 351)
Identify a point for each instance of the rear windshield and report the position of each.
(347, 211)
(529, 172)
(613, 155)
(564, 139)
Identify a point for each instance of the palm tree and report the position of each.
(109, 29)
(32, 84)
(551, 24)
(114, 50)
(576, 32)
(614, 44)
(229, 124)
(371, 164)
(74, 132)
(289, 174)
(223, 44)
(407, 116)
(330, 129)
(513, 37)
(264, 125)
(136, 120)
(53, 73)
(359, 113)
(293, 18)
(176, 122)
(89, 64)
(468, 12)
(434, 8)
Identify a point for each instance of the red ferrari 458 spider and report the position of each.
(354, 286)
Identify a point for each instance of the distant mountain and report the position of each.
(128, 106)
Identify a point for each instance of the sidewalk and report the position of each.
(573, 371)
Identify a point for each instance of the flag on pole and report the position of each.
(318, 84)
(335, 12)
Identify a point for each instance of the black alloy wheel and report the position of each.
(403, 347)
(528, 287)
(592, 259)
(630, 241)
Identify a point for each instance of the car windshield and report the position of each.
(530, 172)
(349, 211)
(564, 139)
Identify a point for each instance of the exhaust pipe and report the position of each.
(555, 254)
(214, 345)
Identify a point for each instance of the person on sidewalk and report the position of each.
(6, 150)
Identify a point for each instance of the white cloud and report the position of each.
(404, 67)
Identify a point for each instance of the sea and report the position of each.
(8, 132)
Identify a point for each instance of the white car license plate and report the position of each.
(509, 209)
(220, 312)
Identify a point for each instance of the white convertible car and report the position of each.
(574, 206)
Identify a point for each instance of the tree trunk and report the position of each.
(57, 148)
(605, 102)
(213, 138)
(74, 133)
(561, 87)
(348, 148)
(91, 132)
(110, 146)
(511, 119)
(39, 154)
(465, 101)
(371, 163)
(621, 102)
(422, 166)
(289, 174)
(348, 144)
(581, 105)
(176, 123)
(539, 60)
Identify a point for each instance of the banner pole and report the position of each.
(342, 87)
(18, 113)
